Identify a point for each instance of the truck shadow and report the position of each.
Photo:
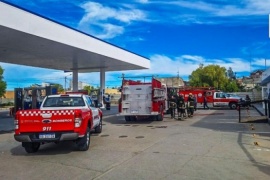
(6, 131)
(263, 167)
(65, 147)
(227, 121)
(121, 120)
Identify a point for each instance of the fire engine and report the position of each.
(142, 99)
(214, 97)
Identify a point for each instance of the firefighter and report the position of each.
(181, 107)
(172, 106)
(190, 105)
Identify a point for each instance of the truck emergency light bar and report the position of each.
(78, 92)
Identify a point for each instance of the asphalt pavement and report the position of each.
(211, 145)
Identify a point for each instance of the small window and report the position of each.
(64, 102)
(90, 102)
(209, 93)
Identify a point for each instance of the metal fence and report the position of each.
(257, 112)
(254, 95)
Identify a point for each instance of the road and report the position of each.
(211, 145)
(6, 122)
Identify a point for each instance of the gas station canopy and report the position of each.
(32, 40)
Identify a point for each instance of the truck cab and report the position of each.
(214, 97)
(222, 99)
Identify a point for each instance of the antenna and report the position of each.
(250, 62)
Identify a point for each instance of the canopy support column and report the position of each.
(75, 80)
(102, 85)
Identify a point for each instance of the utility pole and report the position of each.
(65, 83)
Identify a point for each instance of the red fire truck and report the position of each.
(214, 98)
(63, 117)
(142, 99)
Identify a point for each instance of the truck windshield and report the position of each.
(64, 102)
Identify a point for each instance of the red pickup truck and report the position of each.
(68, 117)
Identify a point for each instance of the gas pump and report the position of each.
(18, 100)
(31, 97)
(27, 98)
(38, 94)
(94, 94)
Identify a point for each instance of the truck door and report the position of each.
(220, 99)
(137, 99)
(95, 112)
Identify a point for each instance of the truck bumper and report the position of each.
(34, 137)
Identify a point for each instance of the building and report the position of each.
(251, 82)
(257, 77)
(172, 81)
(265, 83)
(81, 85)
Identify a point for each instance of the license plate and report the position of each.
(47, 136)
(134, 112)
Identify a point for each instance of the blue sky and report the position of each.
(176, 35)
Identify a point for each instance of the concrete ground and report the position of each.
(211, 145)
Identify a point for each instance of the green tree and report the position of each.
(209, 76)
(231, 86)
(59, 88)
(3, 84)
(89, 88)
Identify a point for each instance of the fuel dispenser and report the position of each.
(18, 100)
(27, 98)
(31, 97)
(38, 94)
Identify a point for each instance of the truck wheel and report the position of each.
(233, 105)
(84, 142)
(31, 147)
(127, 118)
(133, 118)
(161, 115)
(98, 129)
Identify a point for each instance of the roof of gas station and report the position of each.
(33, 40)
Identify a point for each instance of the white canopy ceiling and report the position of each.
(28, 39)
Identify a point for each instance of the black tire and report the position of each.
(133, 118)
(160, 116)
(233, 105)
(98, 129)
(155, 118)
(127, 118)
(84, 142)
(31, 147)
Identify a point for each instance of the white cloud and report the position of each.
(142, 1)
(109, 31)
(245, 7)
(98, 19)
(205, 12)
(162, 65)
